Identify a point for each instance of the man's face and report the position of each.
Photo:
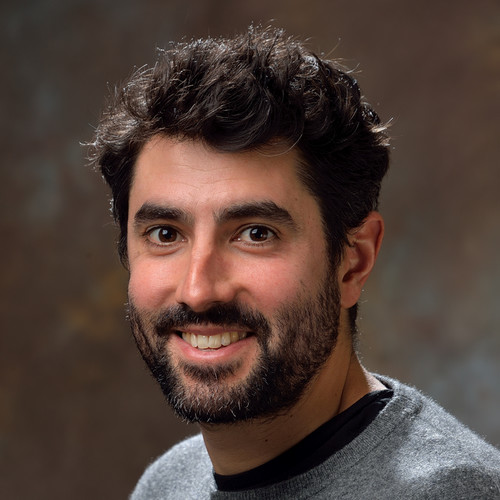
(232, 301)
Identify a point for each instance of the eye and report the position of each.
(256, 234)
(164, 235)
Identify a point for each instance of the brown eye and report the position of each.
(164, 235)
(259, 233)
(256, 234)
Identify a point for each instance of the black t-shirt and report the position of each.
(313, 449)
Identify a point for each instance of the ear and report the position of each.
(359, 258)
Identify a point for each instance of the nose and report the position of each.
(206, 280)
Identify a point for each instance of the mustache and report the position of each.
(181, 316)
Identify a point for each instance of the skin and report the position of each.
(212, 256)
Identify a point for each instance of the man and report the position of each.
(245, 176)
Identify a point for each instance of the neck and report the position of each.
(243, 446)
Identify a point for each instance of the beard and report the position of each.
(294, 344)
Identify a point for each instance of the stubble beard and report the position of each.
(293, 346)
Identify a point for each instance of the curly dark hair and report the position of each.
(244, 93)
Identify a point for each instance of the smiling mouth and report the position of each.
(213, 341)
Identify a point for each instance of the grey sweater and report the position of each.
(412, 450)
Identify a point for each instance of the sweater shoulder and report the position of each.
(432, 453)
(183, 472)
(433, 429)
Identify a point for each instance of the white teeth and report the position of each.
(213, 341)
(194, 340)
(202, 341)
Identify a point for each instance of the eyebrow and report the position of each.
(260, 209)
(267, 210)
(152, 212)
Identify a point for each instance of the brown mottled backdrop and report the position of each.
(79, 415)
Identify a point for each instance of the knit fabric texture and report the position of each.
(412, 450)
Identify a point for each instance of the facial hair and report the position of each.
(293, 346)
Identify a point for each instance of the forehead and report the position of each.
(192, 175)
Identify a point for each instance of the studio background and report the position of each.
(80, 416)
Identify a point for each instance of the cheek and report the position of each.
(278, 283)
(150, 284)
